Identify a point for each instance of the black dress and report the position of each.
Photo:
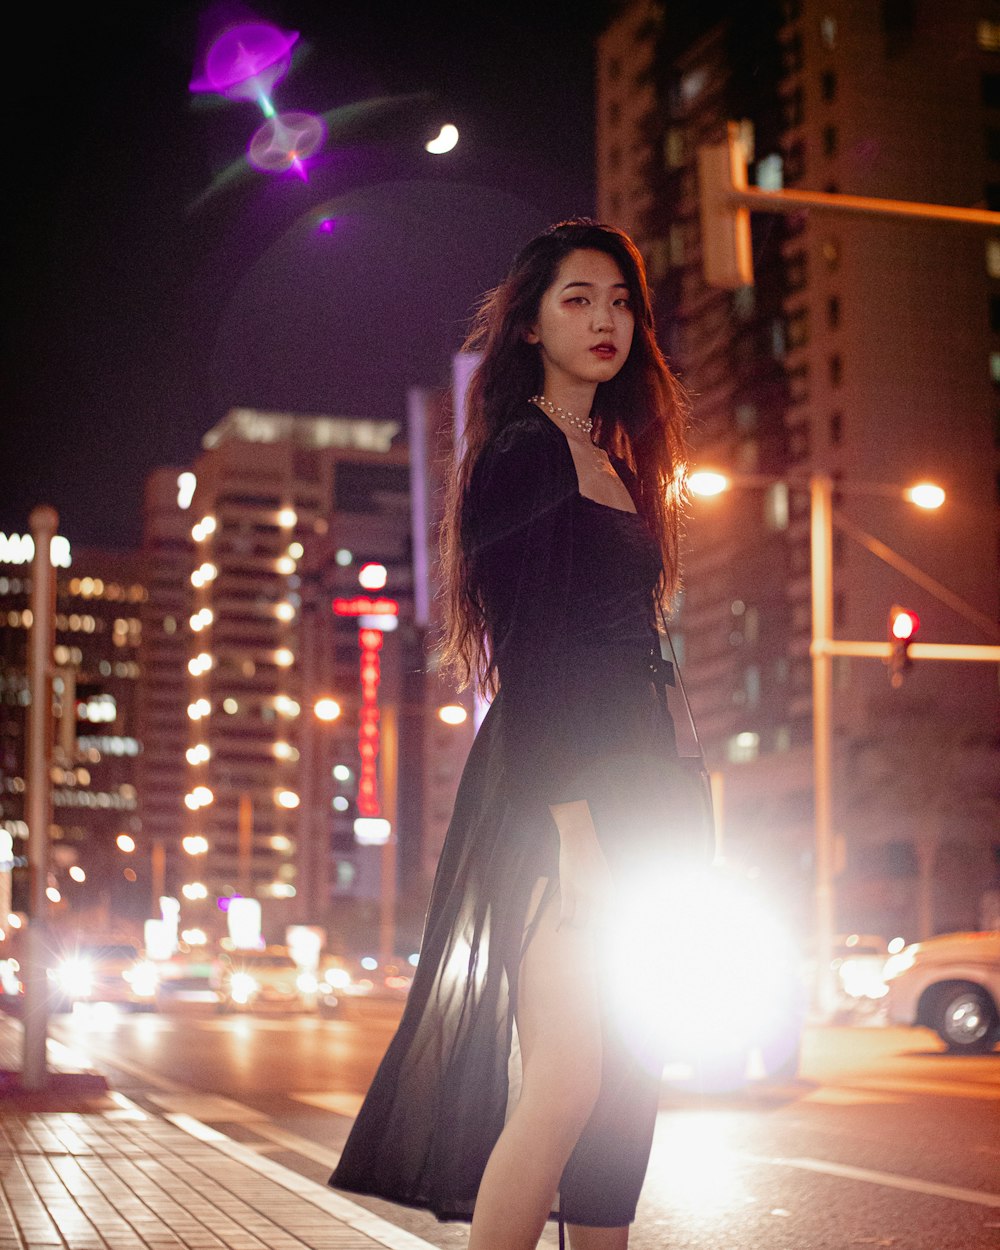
(567, 586)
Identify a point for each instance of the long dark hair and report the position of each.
(640, 415)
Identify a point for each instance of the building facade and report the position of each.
(867, 350)
(281, 514)
(98, 877)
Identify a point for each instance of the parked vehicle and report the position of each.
(950, 984)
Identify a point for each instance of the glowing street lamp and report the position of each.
(453, 714)
(708, 483)
(926, 495)
(326, 709)
(125, 843)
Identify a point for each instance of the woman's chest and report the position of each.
(597, 478)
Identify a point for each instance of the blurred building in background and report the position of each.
(252, 773)
(868, 349)
(96, 880)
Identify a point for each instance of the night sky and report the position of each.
(138, 309)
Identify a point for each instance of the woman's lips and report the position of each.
(605, 351)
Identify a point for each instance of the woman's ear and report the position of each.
(531, 335)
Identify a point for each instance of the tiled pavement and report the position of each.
(110, 1176)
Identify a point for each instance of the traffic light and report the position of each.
(726, 252)
(902, 628)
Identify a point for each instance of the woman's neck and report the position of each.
(577, 399)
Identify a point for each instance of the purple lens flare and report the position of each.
(245, 62)
(286, 142)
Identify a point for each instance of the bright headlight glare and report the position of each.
(143, 978)
(690, 950)
(75, 977)
(896, 965)
(242, 987)
(307, 983)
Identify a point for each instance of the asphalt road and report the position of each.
(884, 1141)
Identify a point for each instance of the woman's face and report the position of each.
(585, 322)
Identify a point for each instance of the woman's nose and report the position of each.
(603, 319)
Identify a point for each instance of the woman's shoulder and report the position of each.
(523, 459)
(528, 440)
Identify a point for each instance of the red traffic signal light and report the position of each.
(902, 628)
(903, 625)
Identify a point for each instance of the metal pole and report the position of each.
(244, 854)
(821, 566)
(44, 522)
(389, 748)
(158, 876)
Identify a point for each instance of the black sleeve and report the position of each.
(522, 505)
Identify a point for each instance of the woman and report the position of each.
(560, 541)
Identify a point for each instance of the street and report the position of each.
(883, 1141)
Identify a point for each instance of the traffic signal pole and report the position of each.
(727, 199)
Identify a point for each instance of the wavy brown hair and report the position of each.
(641, 415)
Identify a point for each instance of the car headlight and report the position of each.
(74, 977)
(338, 978)
(307, 983)
(143, 979)
(242, 987)
(896, 965)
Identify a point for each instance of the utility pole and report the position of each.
(44, 522)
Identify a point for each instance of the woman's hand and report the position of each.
(585, 882)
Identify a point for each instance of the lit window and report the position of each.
(776, 506)
(995, 368)
(743, 747)
(771, 172)
(673, 148)
(692, 84)
(751, 684)
(828, 31)
(993, 257)
(988, 36)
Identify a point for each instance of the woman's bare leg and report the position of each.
(559, 1030)
(586, 1238)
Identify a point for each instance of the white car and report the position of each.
(950, 984)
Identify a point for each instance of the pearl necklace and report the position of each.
(581, 423)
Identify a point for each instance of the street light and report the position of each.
(708, 483)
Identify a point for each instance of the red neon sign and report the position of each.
(370, 642)
(360, 605)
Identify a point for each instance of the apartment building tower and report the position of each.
(867, 350)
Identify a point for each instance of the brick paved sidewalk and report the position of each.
(110, 1176)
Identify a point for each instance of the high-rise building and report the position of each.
(98, 876)
(867, 349)
(282, 516)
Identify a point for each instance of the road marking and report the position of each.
(341, 1104)
(373, 1226)
(889, 1179)
(298, 1145)
(88, 1058)
(946, 1089)
(207, 1106)
(851, 1097)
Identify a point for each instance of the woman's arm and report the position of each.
(585, 882)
